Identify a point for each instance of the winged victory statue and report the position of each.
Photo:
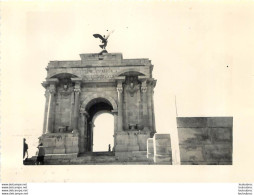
(104, 39)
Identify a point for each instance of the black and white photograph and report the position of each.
(127, 91)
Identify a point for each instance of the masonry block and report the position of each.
(58, 151)
(162, 149)
(60, 143)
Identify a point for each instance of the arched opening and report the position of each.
(95, 108)
(103, 132)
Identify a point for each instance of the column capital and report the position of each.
(49, 81)
(46, 94)
(52, 89)
(77, 90)
(152, 82)
(84, 112)
(119, 86)
(77, 86)
(144, 86)
(143, 89)
(120, 89)
(119, 82)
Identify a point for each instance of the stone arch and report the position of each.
(99, 113)
(132, 71)
(64, 75)
(95, 96)
(94, 106)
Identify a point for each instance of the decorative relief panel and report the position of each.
(63, 105)
(132, 104)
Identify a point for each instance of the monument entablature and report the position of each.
(77, 91)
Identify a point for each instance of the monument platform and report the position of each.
(92, 158)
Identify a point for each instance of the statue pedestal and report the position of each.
(60, 143)
(130, 143)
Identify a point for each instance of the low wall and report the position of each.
(205, 140)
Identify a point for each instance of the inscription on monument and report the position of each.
(99, 73)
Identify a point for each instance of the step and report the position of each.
(92, 158)
(97, 154)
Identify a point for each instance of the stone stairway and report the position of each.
(97, 154)
(91, 158)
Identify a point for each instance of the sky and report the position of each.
(202, 55)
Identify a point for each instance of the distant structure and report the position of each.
(202, 141)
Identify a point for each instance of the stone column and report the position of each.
(76, 108)
(46, 110)
(120, 105)
(83, 136)
(153, 118)
(71, 112)
(151, 85)
(86, 116)
(51, 107)
(77, 91)
(91, 134)
(115, 126)
(149, 106)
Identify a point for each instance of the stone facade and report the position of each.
(205, 140)
(77, 91)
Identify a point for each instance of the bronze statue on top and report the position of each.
(104, 40)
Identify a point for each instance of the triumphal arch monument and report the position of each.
(78, 91)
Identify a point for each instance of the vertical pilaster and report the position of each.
(72, 110)
(76, 108)
(77, 91)
(144, 102)
(120, 105)
(82, 135)
(86, 116)
(153, 118)
(150, 104)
